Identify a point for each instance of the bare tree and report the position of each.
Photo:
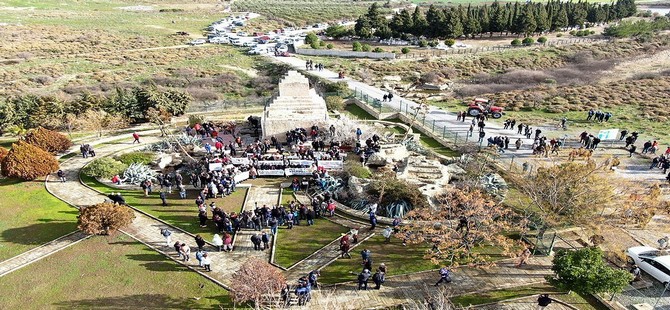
(254, 280)
(100, 121)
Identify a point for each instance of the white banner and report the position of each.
(292, 157)
(271, 162)
(239, 177)
(239, 161)
(298, 171)
(215, 166)
(609, 134)
(331, 164)
(301, 162)
(271, 172)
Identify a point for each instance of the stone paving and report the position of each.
(257, 195)
(527, 303)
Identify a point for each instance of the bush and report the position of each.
(542, 40)
(144, 158)
(335, 103)
(28, 162)
(314, 45)
(195, 119)
(528, 41)
(104, 218)
(366, 47)
(330, 46)
(449, 42)
(311, 38)
(357, 46)
(322, 43)
(559, 35)
(423, 43)
(378, 50)
(3, 153)
(432, 43)
(104, 167)
(356, 170)
(405, 50)
(48, 140)
(516, 42)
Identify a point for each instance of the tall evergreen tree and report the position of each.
(363, 28)
(471, 25)
(498, 16)
(560, 20)
(436, 22)
(541, 18)
(526, 20)
(484, 21)
(406, 20)
(375, 16)
(419, 22)
(454, 27)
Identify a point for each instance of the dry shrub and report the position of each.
(28, 162)
(201, 94)
(430, 77)
(104, 218)
(48, 140)
(3, 153)
(255, 279)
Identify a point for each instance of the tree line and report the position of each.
(128, 105)
(516, 18)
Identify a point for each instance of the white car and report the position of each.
(653, 261)
(197, 42)
(219, 40)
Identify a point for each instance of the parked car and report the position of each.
(654, 262)
(219, 40)
(197, 42)
(255, 51)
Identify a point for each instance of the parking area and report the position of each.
(648, 292)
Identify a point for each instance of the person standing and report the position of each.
(256, 240)
(217, 241)
(167, 234)
(177, 247)
(631, 151)
(377, 279)
(185, 251)
(61, 175)
(359, 133)
(207, 262)
(523, 258)
(518, 143)
(543, 301)
(163, 197)
(136, 138)
(198, 256)
(200, 242)
(313, 278)
(445, 276)
(266, 240)
(363, 279)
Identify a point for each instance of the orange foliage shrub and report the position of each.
(3, 153)
(48, 140)
(28, 162)
(104, 218)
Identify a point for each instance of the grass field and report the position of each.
(305, 12)
(295, 244)
(182, 213)
(109, 273)
(30, 216)
(584, 302)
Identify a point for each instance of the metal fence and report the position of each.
(228, 104)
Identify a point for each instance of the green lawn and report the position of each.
(109, 273)
(286, 196)
(30, 216)
(295, 244)
(399, 259)
(7, 143)
(432, 144)
(356, 112)
(584, 302)
(182, 213)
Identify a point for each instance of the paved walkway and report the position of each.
(528, 303)
(418, 286)
(257, 195)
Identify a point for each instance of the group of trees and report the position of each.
(90, 112)
(517, 18)
(32, 156)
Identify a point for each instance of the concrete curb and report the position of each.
(246, 197)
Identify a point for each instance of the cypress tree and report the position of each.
(541, 18)
(419, 23)
(560, 19)
(454, 27)
(527, 22)
(484, 22)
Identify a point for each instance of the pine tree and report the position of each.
(527, 22)
(375, 17)
(560, 19)
(471, 26)
(454, 27)
(514, 24)
(363, 28)
(406, 21)
(498, 18)
(541, 18)
(436, 22)
(484, 21)
(419, 22)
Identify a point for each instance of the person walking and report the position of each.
(631, 151)
(200, 242)
(136, 138)
(206, 262)
(167, 234)
(163, 197)
(363, 279)
(198, 256)
(217, 241)
(177, 247)
(313, 278)
(445, 276)
(185, 251)
(377, 279)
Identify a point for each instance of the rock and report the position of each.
(454, 169)
(429, 86)
(378, 160)
(358, 186)
(394, 78)
(164, 160)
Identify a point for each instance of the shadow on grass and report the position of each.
(29, 235)
(145, 301)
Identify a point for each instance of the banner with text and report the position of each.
(239, 161)
(298, 171)
(331, 164)
(271, 172)
(241, 176)
(215, 166)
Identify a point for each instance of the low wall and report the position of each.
(340, 53)
(372, 111)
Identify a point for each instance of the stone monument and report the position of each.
(297, 106)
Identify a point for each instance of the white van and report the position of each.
(235, 41)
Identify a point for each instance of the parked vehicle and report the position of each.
(654, 262)
(255, 51)
(235, 41)
(481, 105)
(219, 40)
(197, 42)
